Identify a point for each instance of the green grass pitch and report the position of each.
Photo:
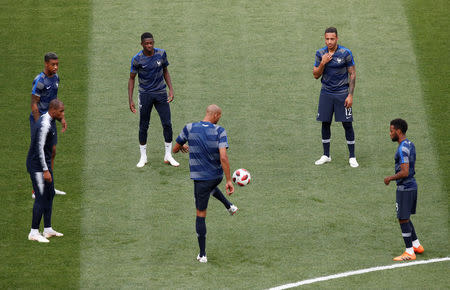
(130, 228)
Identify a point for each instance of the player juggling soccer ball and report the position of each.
(406, 195)
(39, 160)
(150, 64)
(45, 89)
(335, 64)
(208, 161)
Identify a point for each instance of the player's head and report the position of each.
(213, 113)
(56, 109)
(398, 129)
(51, 63)
(147, 42)
(331, 37)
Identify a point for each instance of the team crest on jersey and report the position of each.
(57, 84)
(158, 62)
(339, 60)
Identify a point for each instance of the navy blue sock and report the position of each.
(219, 195)
(350, 137)
(413, 231)
(406, 233)
(200, 227)
(326, 135)
(37, 215)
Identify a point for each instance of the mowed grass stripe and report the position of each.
(254, 60)
(29, 30)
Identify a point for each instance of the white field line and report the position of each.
(358, 272)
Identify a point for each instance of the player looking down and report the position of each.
(208, 161)
(406, 195)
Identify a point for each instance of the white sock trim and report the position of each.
(416, 243)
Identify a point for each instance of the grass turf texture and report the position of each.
(297, 221)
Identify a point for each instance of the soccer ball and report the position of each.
(241, 177)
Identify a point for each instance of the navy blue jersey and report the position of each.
(43, 138)
(204, 140)
(46, 88)
(406, 153)
(335, 74)
(150, 70)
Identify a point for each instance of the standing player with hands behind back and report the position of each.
(336, 66)
(45, 89)
(151, 66)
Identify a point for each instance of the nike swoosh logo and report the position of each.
(144, 66)
(48, 88)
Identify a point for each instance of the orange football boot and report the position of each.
(405, 257)
(419, 249)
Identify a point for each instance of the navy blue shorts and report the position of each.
(203, 190)
(44, 191)
(406, 201)
(333, 103)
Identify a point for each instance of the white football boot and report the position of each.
(324, 159)
(142, 161)
(233, 209)
(49, 232)
(202, 259)
(60, 192)
(168, 159)
(353, 163)
(36, 236)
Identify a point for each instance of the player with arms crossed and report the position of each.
(208, 161)
(406, 195)
(151, 66)
(39, 160)
(335, 64)
(45, 89)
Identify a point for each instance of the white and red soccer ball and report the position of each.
(241, 177)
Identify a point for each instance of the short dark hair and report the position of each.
(146, 35)
(331, 30)
(50, 55)
(400, 124)
(55, 104)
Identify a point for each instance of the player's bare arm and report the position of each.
(229, 187)
(183, 148)
(318, 71)
(351, 87)
(169, 83)
(34, 107)
(131, 81)
(403, 173)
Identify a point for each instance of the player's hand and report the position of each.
(326, 58)
(348, 101)
(47, 176)
(64, 125)
(387, 180)
(229, 188)
(132, 107)
(184, 148)
(170, 97)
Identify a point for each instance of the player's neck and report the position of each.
(149, 53)
(333, 50)
(401, 139)
(48, 73)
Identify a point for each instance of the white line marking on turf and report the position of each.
(358, 272)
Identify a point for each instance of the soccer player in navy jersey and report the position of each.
(151, 66)
(39, 166)
(406, 195)
(45, 89)
(208, 161)
(335, 64)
